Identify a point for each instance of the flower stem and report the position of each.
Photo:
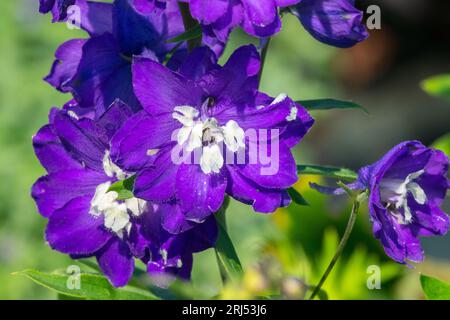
(264, 51)
(340, 249)
(221, 220)
(189, 23)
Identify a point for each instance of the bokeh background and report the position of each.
(383, 74)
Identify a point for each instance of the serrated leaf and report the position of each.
(329, 172)
(91, 286)
(435, 289)
(191, 34)
(329, 104)
(297, 197)
(227, 256)
(438, 86)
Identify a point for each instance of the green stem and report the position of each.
(222, 221)
(264, 51)
(189, 23)
(221, 218)
(340, 249)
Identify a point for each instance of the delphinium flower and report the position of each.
(86, 218)
(97, 71)
(206, 110)
(407, 187)
(334, 22)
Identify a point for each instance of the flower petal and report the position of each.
(72, 230)
(168, 89)
(64, 69)
(263, 200)
(200, 194)
(334, 22)
(116, 262)
(51, 153)
(83, 139)
(142, 133)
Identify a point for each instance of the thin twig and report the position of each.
(340, 249)
(264, 51)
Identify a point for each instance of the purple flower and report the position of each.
(58, 8)
(407, 187)
(85, 218)
(171, 255)
(158, 5)
(218, 18)
(334, 22)
(97, 71)
(208, 113)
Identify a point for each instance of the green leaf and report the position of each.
(229, 264)
(191, 34)
(435, 289)
(91, 286)
(297, 197)
(328, 104)
(329, 172)
(438, 86)
(443, 144)
(124, 188)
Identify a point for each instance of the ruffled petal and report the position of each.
(54, 191)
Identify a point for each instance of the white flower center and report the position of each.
(394, 192)
(111, 169)
(207, 134)
(117, 214)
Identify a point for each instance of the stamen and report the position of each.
(394, 192)
(206, 133)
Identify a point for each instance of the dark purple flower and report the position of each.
(334, 22)
(97, 71)
(169, 254)
(208, 113)
(157, 5)
(407, 187)
(58, 8)
(259, 18)
(85, 218)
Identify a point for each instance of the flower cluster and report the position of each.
(122, 179)
(334, 22)
(157, 134)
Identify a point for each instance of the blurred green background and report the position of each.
(382, 74)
